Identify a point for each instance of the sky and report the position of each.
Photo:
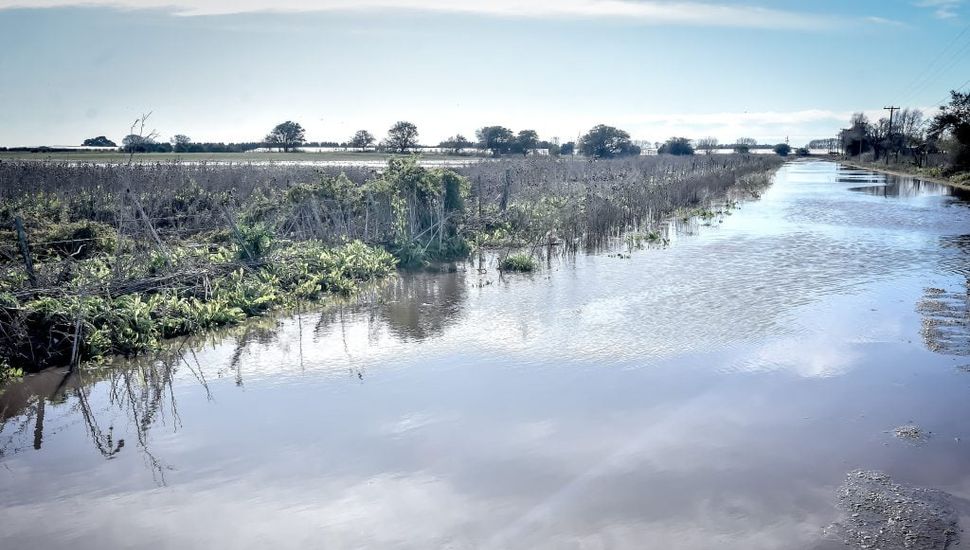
(229, 70)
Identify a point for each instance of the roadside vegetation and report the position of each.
(909, 141)
(99, 260)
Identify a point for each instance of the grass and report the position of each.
(521, 263)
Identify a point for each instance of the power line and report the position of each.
(942, 70)
(926, 70)
(947, 97)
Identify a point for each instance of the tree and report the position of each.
(604, 141)
(782, 149)
(954, 120)
(858, 138)
(456, 143)
(525, 142)
(676, 146)
(362, 139)
(568, 148)
(743, 145)
(401, 137)
(286, 136)
(180, 143)
(136, 143)
(707, 144)
(99, 141)
(497, 139)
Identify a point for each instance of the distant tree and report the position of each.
(707, 144)
(181, 143)
(743, 145)
(136, 143)
(859, 137)
(525, 142)
(802, 151)
(456, 143)
(782, 149)
(676, 146)
(604, 141)
(953, 120)
(286, 136)
(568, 148)
(362, 139)
(401, 137)
(496, 139)
(99, 141)
(139, 139)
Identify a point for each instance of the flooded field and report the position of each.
(794, 373)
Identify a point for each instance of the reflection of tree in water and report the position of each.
(264, 331)
(421, 306)
(412, 306)
(141, 390)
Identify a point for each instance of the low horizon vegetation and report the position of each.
(601, 141)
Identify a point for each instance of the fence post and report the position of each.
(18, 224)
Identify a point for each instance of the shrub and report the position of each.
(522, 263)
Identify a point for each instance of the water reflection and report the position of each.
(711, 391)
(910, 187)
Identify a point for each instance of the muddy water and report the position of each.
(713, 393)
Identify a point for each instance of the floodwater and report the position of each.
(713, 393)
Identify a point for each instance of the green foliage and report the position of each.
(456, 190)
(604, 141)
(954, 119)
(42, 331)
(35, 208)
(497, 139)
(99, 141)
(402, 136)
(78, 240)
(286, 135)
(676, 146)
(782, 149)
(522, 263)
(255, 241)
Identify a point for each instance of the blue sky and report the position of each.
(228, 70)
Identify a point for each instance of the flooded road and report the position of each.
(714, 393)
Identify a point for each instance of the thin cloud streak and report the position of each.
(942, 9)
(640, 11)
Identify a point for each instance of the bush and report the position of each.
(522, 263)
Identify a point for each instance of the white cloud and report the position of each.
(642, 11)
(942, 9)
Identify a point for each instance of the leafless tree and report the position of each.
(707, 144)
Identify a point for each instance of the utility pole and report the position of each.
(892, 110)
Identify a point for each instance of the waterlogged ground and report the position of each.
(792, 375)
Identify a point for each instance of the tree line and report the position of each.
(601, 141)
(910, 136)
